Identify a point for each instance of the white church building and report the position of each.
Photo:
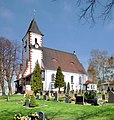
(49, 60)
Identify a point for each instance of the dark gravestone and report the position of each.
(111, 97)
(45, 97)
(41, 116)
(95, 102)
(38, 97)
(103, 97)
(27, 103)
(79, 100)
(56, 96)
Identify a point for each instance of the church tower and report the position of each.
(31, 48)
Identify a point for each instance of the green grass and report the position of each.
(56, 110)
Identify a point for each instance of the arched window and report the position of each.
(52, 86)
(36, 40)
(80, 80)
(52, 77)
(72, 79)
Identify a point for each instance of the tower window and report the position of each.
(36, 40)
(27, 62)
(25, 46)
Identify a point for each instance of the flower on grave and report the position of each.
(24, 118)
(33, 116)
(17, 116)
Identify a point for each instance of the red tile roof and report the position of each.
(68, 62)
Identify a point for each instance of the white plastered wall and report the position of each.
(67, 78)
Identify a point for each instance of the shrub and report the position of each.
(61, 99)
(33, 101)
(27, 97)
(89, 96)
(51, 99)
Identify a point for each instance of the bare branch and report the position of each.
(107, 10)
(88, 12)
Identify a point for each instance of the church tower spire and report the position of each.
(34, 28)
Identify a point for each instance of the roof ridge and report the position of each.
(60, 51)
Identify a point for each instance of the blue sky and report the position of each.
(58, 21)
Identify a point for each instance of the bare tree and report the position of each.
(9, 61)
(97, 65)
(2, 75)
(101, 67)
(93, 9)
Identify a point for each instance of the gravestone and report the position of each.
(79, 100)
(45, 97)
(38, 97)
(41, 116)
(95, 102)
(27, 103)
(56, 96)
(67, 100)
(111, 97)
(103, 96)
(49, 94)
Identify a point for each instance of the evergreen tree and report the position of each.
(59, 80)
(65, 87)
(68, 88)
(36, 83)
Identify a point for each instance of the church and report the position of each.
(49, 59)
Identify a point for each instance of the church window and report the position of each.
(72, 87)
(43, 75)
(52, 86)
(80, 80)
(92, 87)
(72, 79)
(52, 77)
(36, 40)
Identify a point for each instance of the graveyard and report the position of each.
(57, 108)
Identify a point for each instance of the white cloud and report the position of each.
(6, 13)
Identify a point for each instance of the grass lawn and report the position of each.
(56, 110)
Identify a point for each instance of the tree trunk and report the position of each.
(3, 89)
(9, 88)
(59, 90)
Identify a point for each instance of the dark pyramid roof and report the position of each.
(67, 61)
(34, 27)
